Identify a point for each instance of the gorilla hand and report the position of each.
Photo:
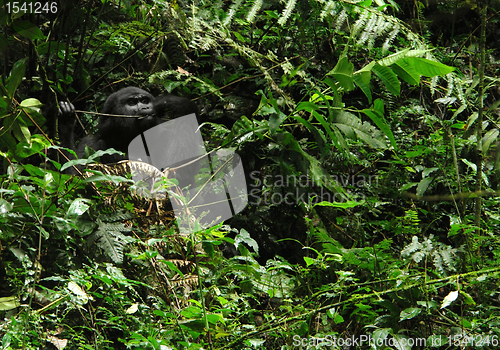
(66, 108)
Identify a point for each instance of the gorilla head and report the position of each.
(143, 112)
(129, 101)
(117, 132)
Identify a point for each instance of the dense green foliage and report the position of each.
(369, 136)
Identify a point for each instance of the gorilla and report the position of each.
(142, 112)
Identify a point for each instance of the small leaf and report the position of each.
(449, 299)
(132, 309)
(309, 261)
(468, 298)
(78, 207)
(244, 237)
(338, 319)
(9, 303)
(44, 232)
(75, 288)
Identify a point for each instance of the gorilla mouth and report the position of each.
(152, 115)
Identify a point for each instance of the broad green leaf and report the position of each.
(428, 171)
(341, 143)
(401, 342)
(209, 248)
(379, 121)
(488, 139)
(423, 185)
(44, 232)
(78, 207)
(470, 164)
(325, 125)
(343, 71)
(318, 136)
(458, 111)
(389, 78)
(405, 70)
(427, 304)
(380, 334)
(451, 297)
(308, 106)
(31, 102)
(430, 68)
(28, 30)
(16, 75)
(400, 55)
(409, 313)
(344, 205)
(362, 80)
(26, 133)
(277, 116)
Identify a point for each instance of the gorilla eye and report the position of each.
(132, 101)
(145, 100)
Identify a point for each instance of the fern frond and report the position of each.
(289, 7)
(390, 38)
(232, 11)
(340, 20)
(360, 23)
(438, 262)
(412, 247)
(447, 255)
(451, 84)
(329, 9)
(353, 127)
(252, 14)
(186, 281)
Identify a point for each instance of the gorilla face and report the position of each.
(137, 104)
(129, 101)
